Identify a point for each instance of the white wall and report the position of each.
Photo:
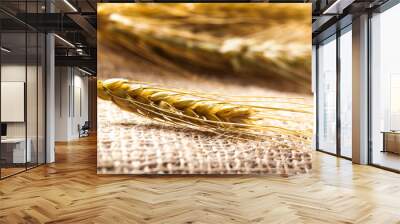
(80, 98)
(12, 73)
(62, 81)
(71, 102)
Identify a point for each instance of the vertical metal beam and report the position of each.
(370, 154)
(315, 92)
(0, 92)
(338, 76)
(26, 89)
(50, 93)
(37, 91)
(360, 90)
(317, 96)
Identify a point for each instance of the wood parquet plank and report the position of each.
(70, 191)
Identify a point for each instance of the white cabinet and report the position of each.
(17, 146)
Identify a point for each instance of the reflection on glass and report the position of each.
(22, 91)
(386, 89)
(31, 97)
(14, 153)
(346, 93)
(327, 96)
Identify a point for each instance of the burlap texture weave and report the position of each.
(129, 144)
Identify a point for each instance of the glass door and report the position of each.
(345, 92)
(327, 95)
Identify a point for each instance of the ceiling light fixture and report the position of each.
(84, 71)
(5, 50)
(70, 5)
(64, 40)
(337, 7)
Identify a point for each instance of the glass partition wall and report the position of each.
(327, 95)
(345, 92)
(22, 98)
(385, 89)
(334, 93)
(13, 85)
(335, 121)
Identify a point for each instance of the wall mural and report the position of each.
(201, 88)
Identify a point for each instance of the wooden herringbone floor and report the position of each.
(69, 191)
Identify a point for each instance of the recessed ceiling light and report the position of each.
(337, 7)
(84, 71)
(5, 50)
(64, 40)
(70, 5)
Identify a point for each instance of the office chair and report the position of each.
(84, 130)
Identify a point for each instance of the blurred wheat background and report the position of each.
(247, 49)
(267, 41)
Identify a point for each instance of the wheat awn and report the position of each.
(202, 111)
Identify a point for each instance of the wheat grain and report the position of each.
(200, 111)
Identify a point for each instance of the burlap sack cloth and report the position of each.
(129, 144)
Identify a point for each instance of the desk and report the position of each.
(13, 150)
(391, 141)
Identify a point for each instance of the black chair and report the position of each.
(84, 130)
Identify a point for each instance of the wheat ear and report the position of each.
(191, 109)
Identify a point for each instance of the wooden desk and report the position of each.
(391, 141)
(13, 150)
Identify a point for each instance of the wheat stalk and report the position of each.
(226, 116)
(247, 39)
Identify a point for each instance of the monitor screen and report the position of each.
(3, 129)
